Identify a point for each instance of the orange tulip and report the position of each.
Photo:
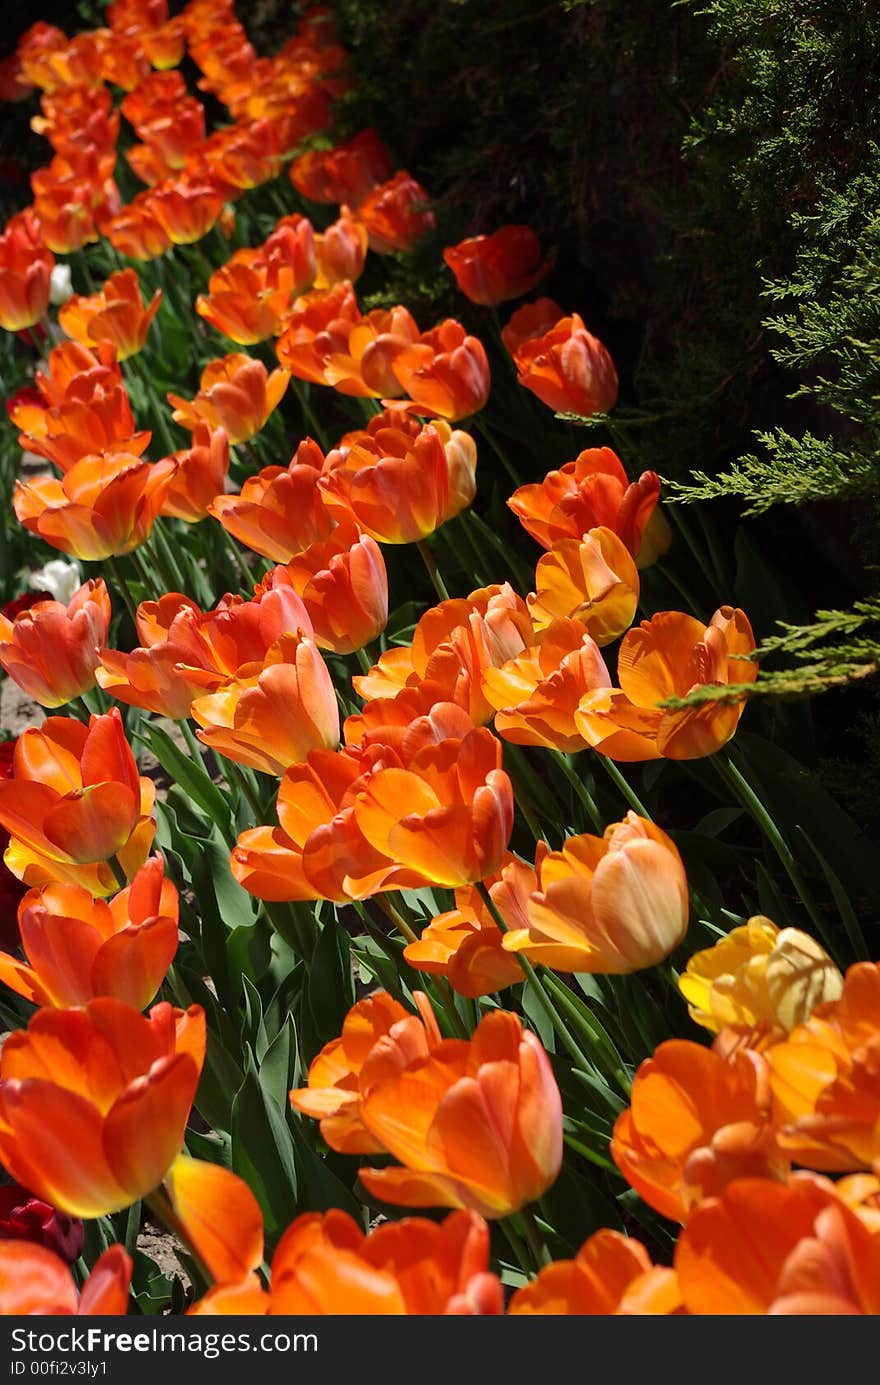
(243, 303)
(186, 209)
(341, 1072)
(589, 493)
(341, 251)
(453, 645)
(325, 1264)
(165, 45)
(94, 1101)
(530, 321)
(475, 1123)
(492, 269)
(398, 488)
(25, 273)
(465, 944)
(115, 314)
(396, 214)
(445, 372)
(221, 1217)
(759, 980)
(271, 716)
(696, 1123)
(763, 1247)
(568, 369)
(95, 414)
(593, 580)
(77, 119)
(104, 506)
(135, 230)
(51, 649)
(611, 904)
(186, 652)
(291, 246)
(201, 472)
(74, 802)
(147, 164)
(236, 394)
(372, 818)
(280, 511)
(36, 1282)
(826, 1079)
(78, 948)
(346, 174)
(611, 1274)
(327, 341)
(344, 587)
(66, 213)
(243, 155)
(124, 60)
(51, 61)
(537, 693)
(669, 656)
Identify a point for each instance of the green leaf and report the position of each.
(263, 1151)
(190, 776)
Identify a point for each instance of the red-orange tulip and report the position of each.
(568, 369)
(669, 656)
(764, 1248)
(78, 948)
(591, 492)
(25, 273)
(237, 394)
(537, 693)
(327, 341)
(592, 579)
(36, 1282)
(186, 652)
(492, 269)
(136, 231)
(445, 372)
(475, 1124)
(66, 213)
(124, 60)
(52, 61)
(344, 587)
(826, 1079)
(186, 209)
(437, 810)
(96, 414)
(346, 174)
(201, 472)
(341, 251)
(530, 321)
(610, 904)
(396, 214)
(104, 505)
(221, 1217)
(398, 488)
(51, 649)
(453, 645)
(271, 716)
(116, 314)
(243, 303)
(94, 1101)
(696, 1123)
(76, 119)
(611, 1274)
(280, 511)
(74, 802)
(465, 944)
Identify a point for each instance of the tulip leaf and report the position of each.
(263, 1151)
(330, 988)
(191, 777)
(278, 1065)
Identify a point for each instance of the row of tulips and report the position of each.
(486, 1065)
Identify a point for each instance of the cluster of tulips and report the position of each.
(467, 1058)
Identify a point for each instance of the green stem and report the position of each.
(499, 451)
(433, 570)
(580, 788)
(363, 659)
(555, 1020)
(166, 559)
(524, 802)
(534, 1237)
(743, 791)
(121, 584)
(628, 792)
(144, 573)
(520, 1251)
(405, 925)
(309, 415)
(234, 775)
(595, 1047)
